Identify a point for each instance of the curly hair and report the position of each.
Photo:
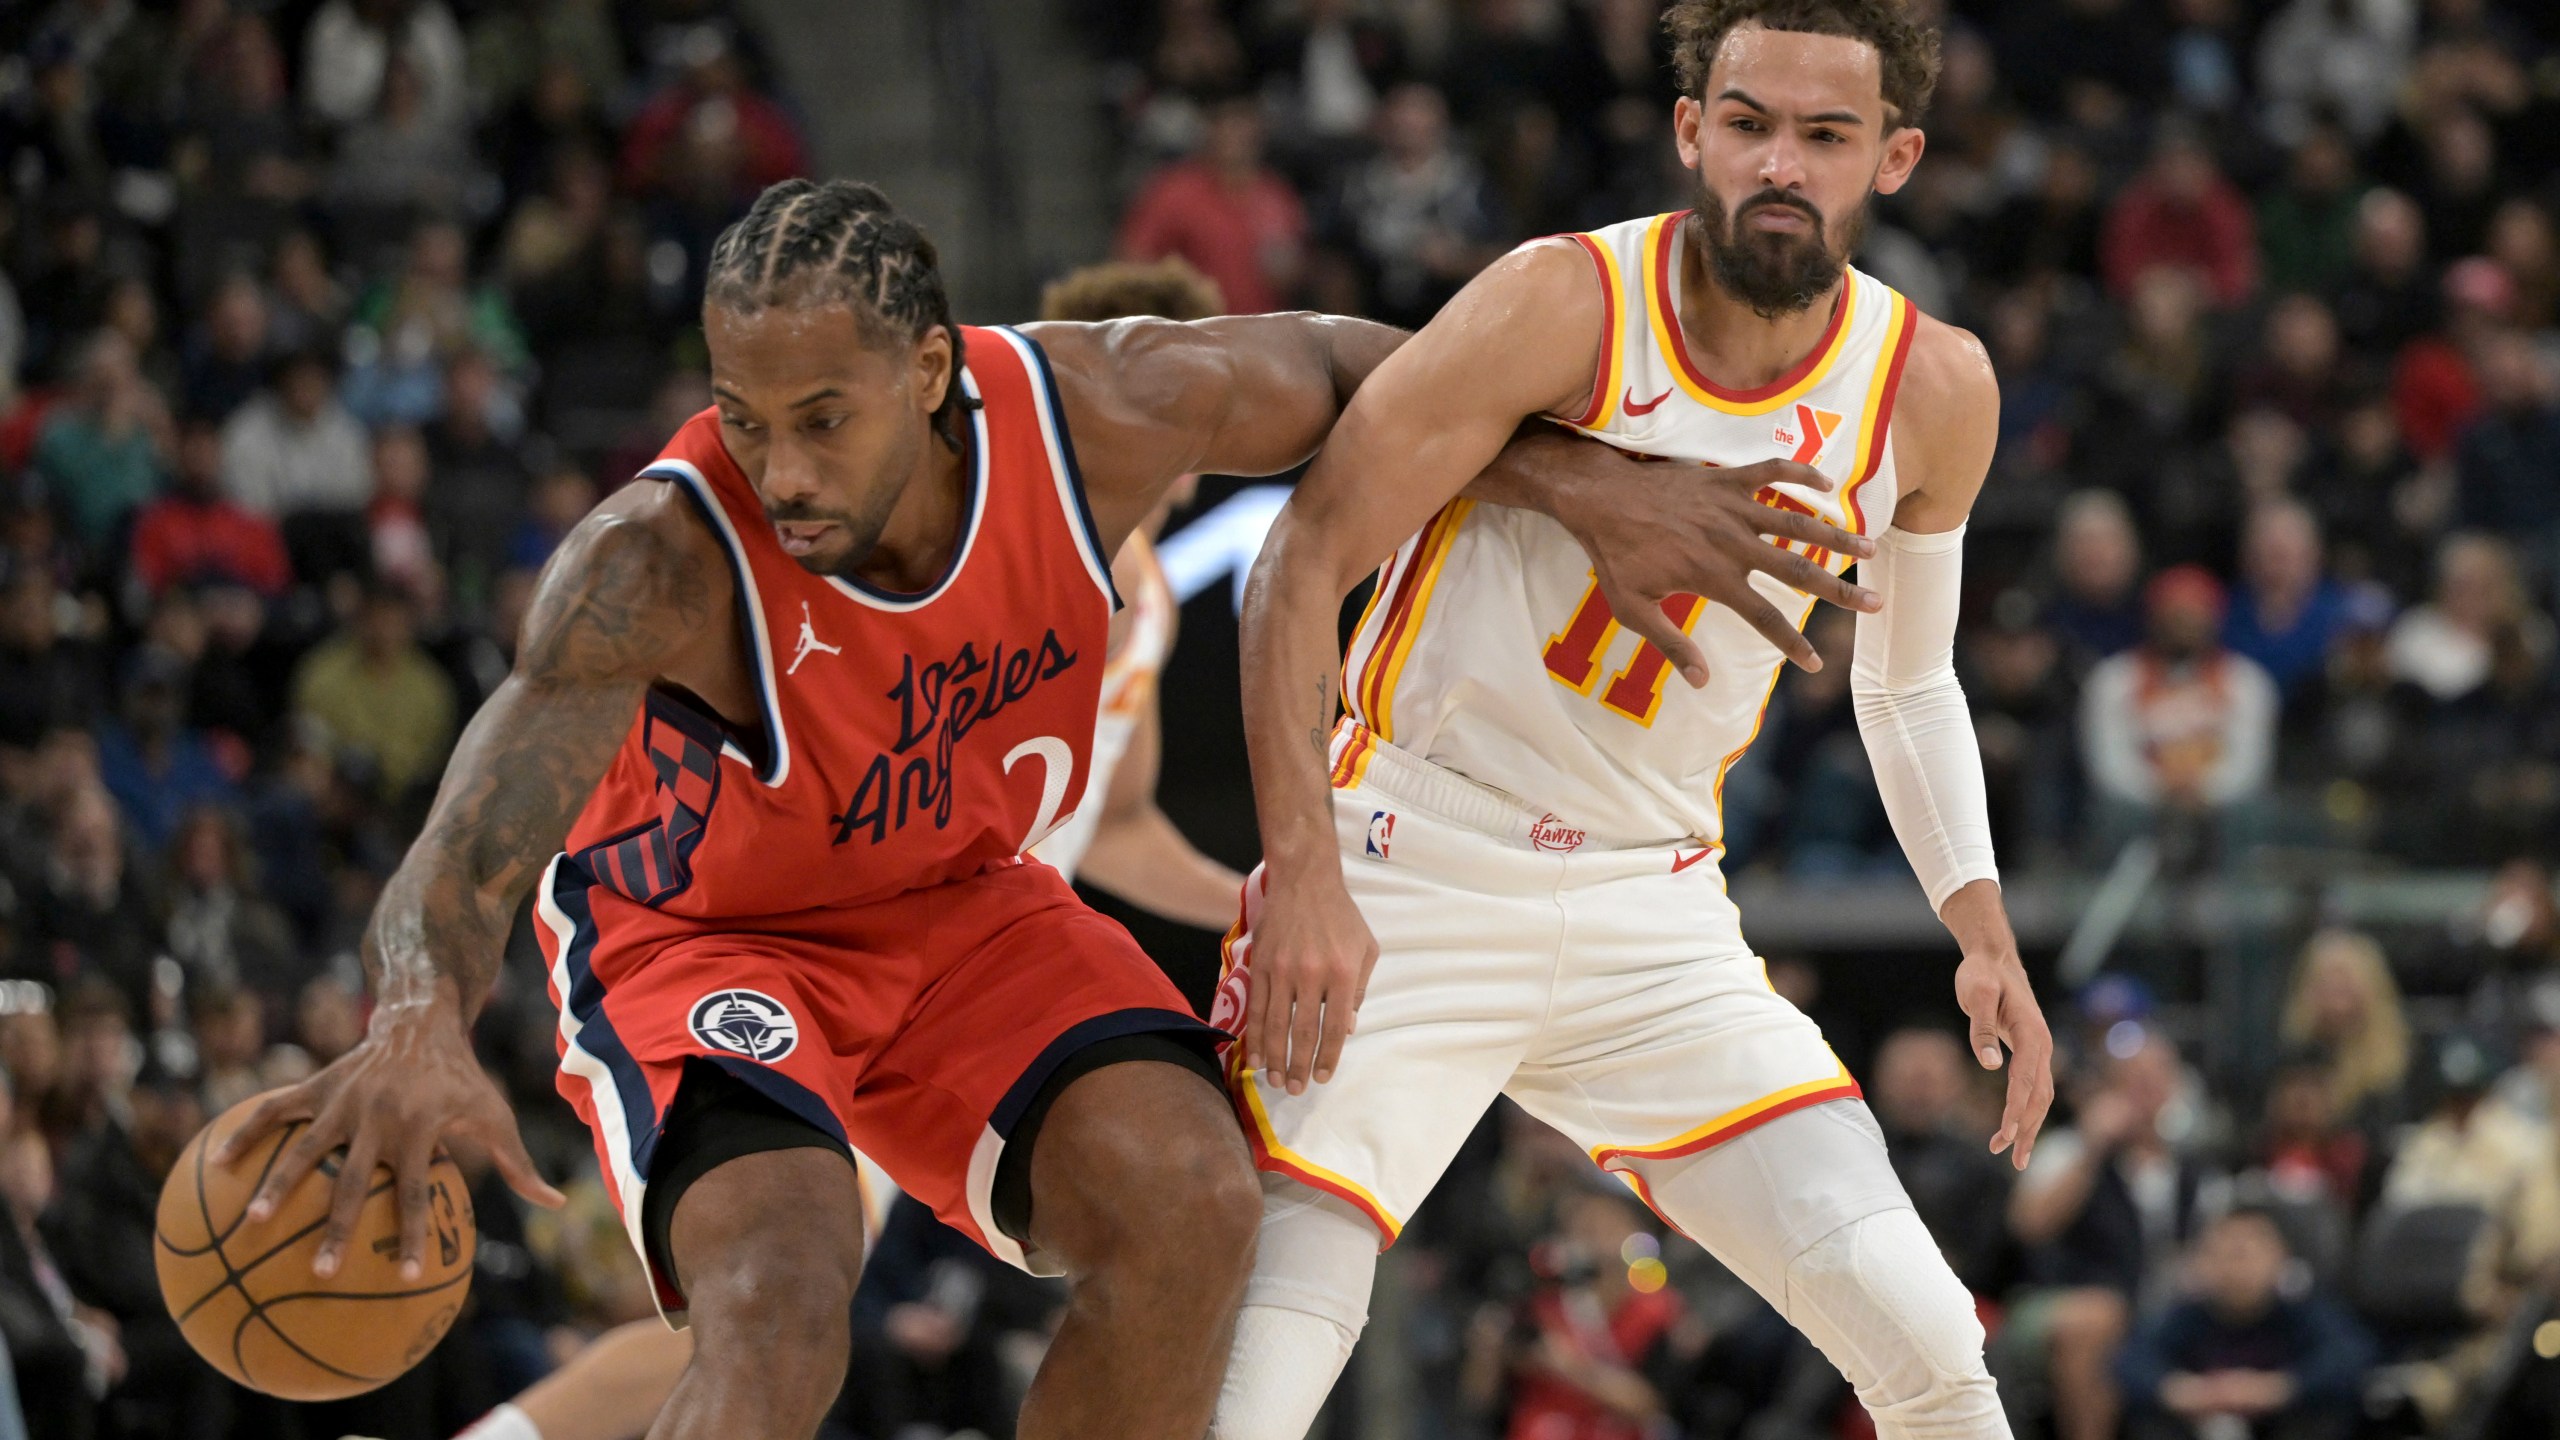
(1906, 50)
(1169, 288)
(841, 243)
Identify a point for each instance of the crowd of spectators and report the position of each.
(321, 322)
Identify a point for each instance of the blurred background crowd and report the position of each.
(322, 320)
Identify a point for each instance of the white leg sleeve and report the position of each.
(1807, 1211)
(1303, 1310)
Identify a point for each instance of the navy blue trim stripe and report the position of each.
(768, 764)
(1078, 1036)
(596, 1034)
(1067, 451)
(786, 1092)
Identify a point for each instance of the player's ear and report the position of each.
(929, 375)
(1688, 120)
(1902, 147)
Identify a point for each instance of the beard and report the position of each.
(856, 536)
(1772, 272)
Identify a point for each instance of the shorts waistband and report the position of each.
(1361, 758)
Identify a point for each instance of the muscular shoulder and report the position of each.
(1131, 371)
(1946, 423)
(632, 589)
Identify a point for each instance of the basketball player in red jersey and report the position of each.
(781, 724)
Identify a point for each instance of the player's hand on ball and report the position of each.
(410, 1082)
(1312, 953)
(1704, 533)
(1992, 988)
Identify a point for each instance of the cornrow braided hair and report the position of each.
(842, 243)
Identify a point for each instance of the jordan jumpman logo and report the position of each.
(809, 641)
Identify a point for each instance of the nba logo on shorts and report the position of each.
(1382, 833)
(745, 1022)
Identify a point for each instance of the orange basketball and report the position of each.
(245, 1295)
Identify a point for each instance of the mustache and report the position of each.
(1779, 199)
(805, 515)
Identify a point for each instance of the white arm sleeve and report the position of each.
(1912, 714)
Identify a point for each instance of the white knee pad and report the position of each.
(1303, 1310)
(1878, 1297)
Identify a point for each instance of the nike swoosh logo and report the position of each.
(1629, 404)
(1683, 862)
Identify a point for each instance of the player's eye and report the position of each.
(1744, 123)
(743, 427)
(1829, 137)
(827, 423)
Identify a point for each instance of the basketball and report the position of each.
(244, 1293)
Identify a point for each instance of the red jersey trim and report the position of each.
(1062, 459)
(1669, 311)
(777, 765)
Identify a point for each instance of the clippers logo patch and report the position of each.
(1553, 834)
(745, 1022)
(1382, 834)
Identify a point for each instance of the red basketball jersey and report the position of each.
(905, 739)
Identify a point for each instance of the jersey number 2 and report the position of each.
(1057, 765)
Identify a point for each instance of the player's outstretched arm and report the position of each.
(632, 590)
(1148, 401)
(1912, 713)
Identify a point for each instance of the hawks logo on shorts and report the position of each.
(1551, 833)
(745, 1022)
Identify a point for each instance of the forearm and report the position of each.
(627, 590)
(1545, 468)
(1292, 691)
(1978, 920)
(1142, 858)
(1912, 715)
(522, 770)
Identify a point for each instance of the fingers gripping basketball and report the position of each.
(244, 1292)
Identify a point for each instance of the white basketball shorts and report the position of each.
(1607, 989)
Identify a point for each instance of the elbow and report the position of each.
(1297, 567)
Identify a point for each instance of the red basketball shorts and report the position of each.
(915, 1030)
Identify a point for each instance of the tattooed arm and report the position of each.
(633, 592)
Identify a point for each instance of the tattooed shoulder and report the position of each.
(631, 586)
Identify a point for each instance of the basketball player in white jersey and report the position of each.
(1124, 844)
(1506, 859)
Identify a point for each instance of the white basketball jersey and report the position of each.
(1141, 640)
(1487, 648)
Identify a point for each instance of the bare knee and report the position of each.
(768, 1249)
(1193, 1204)
(1146, 1176)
